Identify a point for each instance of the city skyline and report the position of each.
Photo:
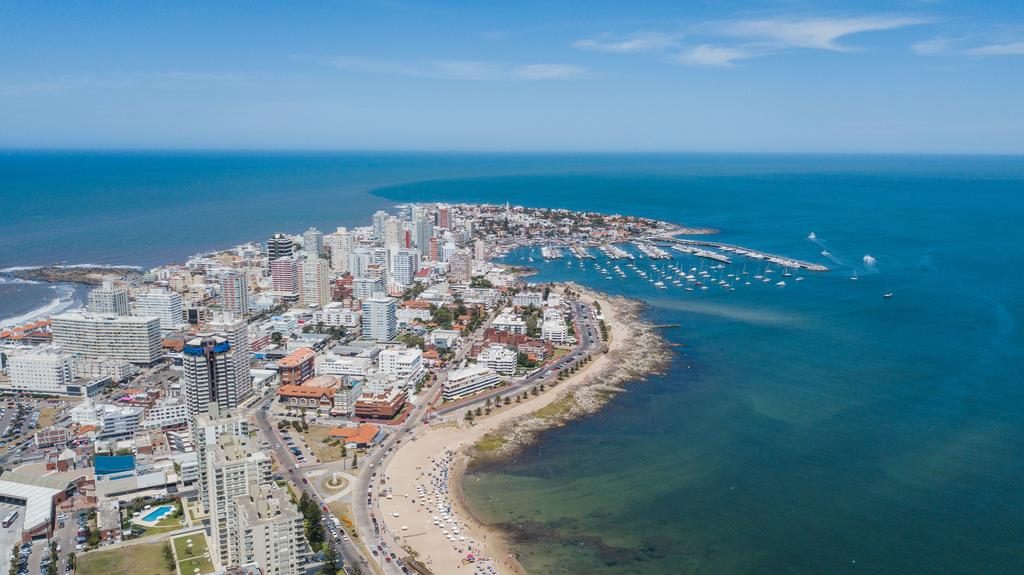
(780, 77)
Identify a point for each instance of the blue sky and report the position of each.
(714, 76)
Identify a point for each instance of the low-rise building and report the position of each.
(297, 367)
(380, 406)
(499, 358)
(469, 380)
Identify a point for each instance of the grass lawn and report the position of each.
(197, 559)
(559, 352)
(143, 559)
(317, 438)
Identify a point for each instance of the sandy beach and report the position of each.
(425, 512)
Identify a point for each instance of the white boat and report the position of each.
(887, 295)
(854, 276)
(781, 284)
(825, 253)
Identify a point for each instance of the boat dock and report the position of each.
(692, 246)
(581, 252)
(551, 253)
(652, 251)
(614, 252)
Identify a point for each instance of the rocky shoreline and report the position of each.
(648, 354)
(88, 275)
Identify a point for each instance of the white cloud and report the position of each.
(932, 47)
(815, 33)
(550, 72)
(1007, 49)
(711, 55)
(634, 43)
(460, 69)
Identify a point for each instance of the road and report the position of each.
(588, 342)
(347, 550)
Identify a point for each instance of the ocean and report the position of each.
(811, 428)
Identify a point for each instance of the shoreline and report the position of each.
(506, 431)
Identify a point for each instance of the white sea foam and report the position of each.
(870, 261)
(64, 301)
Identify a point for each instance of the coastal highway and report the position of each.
(589, 341)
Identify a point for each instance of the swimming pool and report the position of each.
(158, 513)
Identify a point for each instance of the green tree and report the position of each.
(330, 561)
(169, 557)
(355, 460)
(478, 412)
(506, 400)
(276, 337)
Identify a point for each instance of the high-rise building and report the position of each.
(379, 218)
(424, 233)
(393, 232)
(236, 331)
(447, 251)
(444, 217)
(364, 288)
(313, 242)
(316, 288)
(380, 318)
(461, 266)
(480, 250)
(381, 257)
(109, 299)
(284, 275)
(206, 429)
(163, 304)
(358, 261)
(341, 245)
(434, 250)
(279, 246)
(234, 292)
(235, 467)
(404, 265)
(268, 530)
(132, 339)
(211, 375)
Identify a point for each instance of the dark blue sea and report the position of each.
(811, 428)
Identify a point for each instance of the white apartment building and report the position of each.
(100, 367)
(509, 321)
(172, 413)
(461, 268)
(43, 371)
(134, 339)
(165, 305)
(109, 299)
(236, 467)
(404, 265)
(380, 321)
(352, 366)
(115, 422)
(469, 380)
(363, 288)
(553, 328)
(268, 530)
(499, 358)
(527, 299)
(406, 363)
(316, 289)
(336, 314)
(341, 244)
(236, 330)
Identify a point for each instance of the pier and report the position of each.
(694, 246)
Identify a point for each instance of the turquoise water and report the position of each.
(815, 428)
(158, 513)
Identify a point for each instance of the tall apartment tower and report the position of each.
(379, 218)
(162, 304)
(109, 299)
(480, 250)
(404, 265)
(380, 319)
(316, 288)
(424, 233)
(341, 245)
(132, 339)
(313, 242)
(235, 467)
(393, 232)
(236, 331)
(234, 292)
(211, 375)
(279, 246)
(284, 276)
(444, 217)
(461, 266)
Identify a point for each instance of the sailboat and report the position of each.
(887, 295)
(854, 276)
